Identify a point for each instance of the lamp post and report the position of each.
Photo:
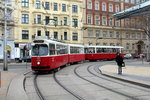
(5, 66)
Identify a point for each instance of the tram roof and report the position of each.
(105, 46)
(139, 9)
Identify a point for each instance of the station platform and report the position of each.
(138, 74)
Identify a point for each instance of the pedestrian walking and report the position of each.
(119, 61)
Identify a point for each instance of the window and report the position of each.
(127, 22)
(112, 44)
(118, 44)
(127, 46)
(144, 36)
(110, 21)
(133, 36)
(138, 36)
(65, 35)
(103, 6)
(96, 5)
(25, 3)
(74, 8)
(64, 7)
(89, 5)
(47, 20)
(47, 33)
(74, 22)
(47, 5)
(37, 3)
(127, 36)
(133, 46)
(75, 36)
(55, 21)
(52, 49)
(111, 34)
(97, 33)
(117, 8)
(40, 50)
(90, 33)
(133, 1)
(39, 33)
(97, 21)
(25, 34)
(89, 19)
(110, 8)
(65, 20)
(117, 35)
(56, 35)
(104, 22)
(61, 49)
(104, 34)
(55, 7)
(38, 19)
(104, 44)
(117, 23)
(25, 18)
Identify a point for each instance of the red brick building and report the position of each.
(100, 28)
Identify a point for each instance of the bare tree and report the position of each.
(143, 22)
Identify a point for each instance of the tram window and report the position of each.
(76, 50)
(52, 49)
(85, 50)
(91, 50)
(61, 49)
(117, 50)
(40, 50)
(114, 50)
(99, 50)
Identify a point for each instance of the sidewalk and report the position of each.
(8, 80)
(139, 74)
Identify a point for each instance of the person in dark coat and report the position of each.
(119, 61)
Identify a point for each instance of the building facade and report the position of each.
(57, 19)
(100, 28)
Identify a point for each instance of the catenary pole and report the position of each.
(5, 66)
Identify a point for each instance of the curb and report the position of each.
(135, 82)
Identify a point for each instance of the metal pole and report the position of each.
(5, 66)
(147, 54)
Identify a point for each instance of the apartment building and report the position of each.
(57, 19)
(100, 28)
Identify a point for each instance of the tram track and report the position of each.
(102, 86)
(68, 90)
(41, 97)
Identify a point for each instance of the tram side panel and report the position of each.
(76, 58)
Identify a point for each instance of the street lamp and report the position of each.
(5, 66)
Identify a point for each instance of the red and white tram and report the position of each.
(102, 52)
(49, 54)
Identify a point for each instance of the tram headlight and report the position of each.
(38, 63)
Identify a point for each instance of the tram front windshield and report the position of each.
(40, 50)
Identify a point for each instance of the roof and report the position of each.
(140, 9)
